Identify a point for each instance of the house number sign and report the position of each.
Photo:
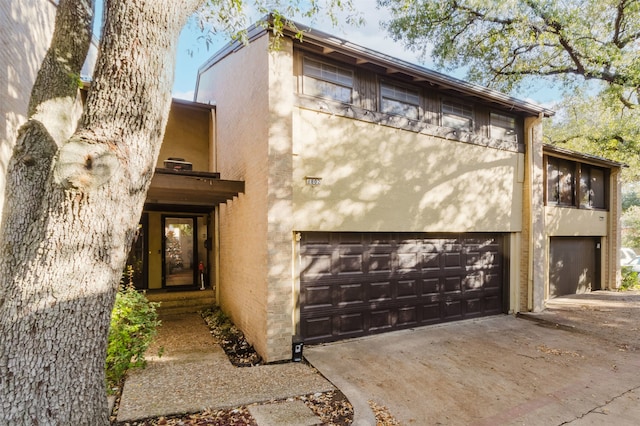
(313, 181)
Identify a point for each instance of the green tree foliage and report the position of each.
(503, 42)
(593, 124)
(631, 227)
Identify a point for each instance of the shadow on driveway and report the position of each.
(499, 370)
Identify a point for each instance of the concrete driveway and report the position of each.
(499, 370)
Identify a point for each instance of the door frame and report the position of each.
(194, 255)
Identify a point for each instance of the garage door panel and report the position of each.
(407, 289)
(380, 291)
(318, 328)
(381, 319)
(430, 286)
(380, 263)
(452, 284)
(350, 294)
(350, 263)
(317, 296)
(452, 309)
(370, 283)
(407, 316)
(350, 323)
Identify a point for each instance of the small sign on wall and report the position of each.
(313, 181)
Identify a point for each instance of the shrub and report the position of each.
(629, 279)
(134, 323)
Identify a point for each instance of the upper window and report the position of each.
(327, 81)
(560, 182)
(592, 187)
(503, 127)
(457, 116)
(399, 100)
(575, 184)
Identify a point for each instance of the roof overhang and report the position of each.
(586, 158)
(190, 190)
(343, 50)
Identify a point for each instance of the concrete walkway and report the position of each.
(577, 363)
(194, 374)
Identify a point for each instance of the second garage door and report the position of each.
(354, 284)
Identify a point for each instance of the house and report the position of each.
(380, 195)
(326, 191)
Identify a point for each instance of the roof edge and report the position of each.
(346, 47)
(554, 149)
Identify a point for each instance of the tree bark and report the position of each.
(75, 191)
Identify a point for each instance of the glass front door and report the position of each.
(180, 251)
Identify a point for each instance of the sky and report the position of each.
(193, 52)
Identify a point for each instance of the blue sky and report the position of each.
(193, 51)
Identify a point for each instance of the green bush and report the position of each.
(134, 323)
(629, 279)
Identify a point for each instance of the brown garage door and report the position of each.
(573, 265)
(354, 284)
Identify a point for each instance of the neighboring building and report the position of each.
(26, 28)
(582, 220)
(380, 195)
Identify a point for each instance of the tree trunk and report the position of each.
(73, 200)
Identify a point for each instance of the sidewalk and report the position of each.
(194, 374)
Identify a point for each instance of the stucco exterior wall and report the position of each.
(567, 222)
(250, 237)
(26, 28)
(377, 178)
(187, 136)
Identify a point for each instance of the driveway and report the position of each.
(499, 370)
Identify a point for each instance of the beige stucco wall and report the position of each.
(377, 178)
(251, 92)
(25, 34)
(187, 136)
(569, 222)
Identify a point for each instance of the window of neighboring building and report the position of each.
(560, 182)
(399, 100)
(327, 81)
(503, 127)
(457, 116)
(592, 187)
(575, 184)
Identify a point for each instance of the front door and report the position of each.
(180, 252)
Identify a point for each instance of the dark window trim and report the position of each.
(409, 88)
(463, 105)
(577, 170)
(336, 82)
